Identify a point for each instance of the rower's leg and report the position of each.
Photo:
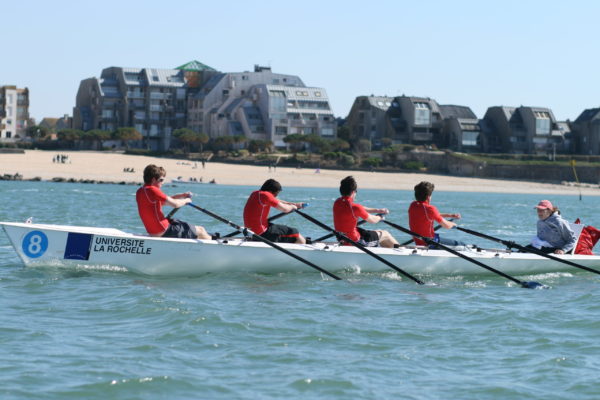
(202, 234)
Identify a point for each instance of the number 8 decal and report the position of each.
(35, 243)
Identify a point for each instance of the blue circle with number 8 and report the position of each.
(35, 243)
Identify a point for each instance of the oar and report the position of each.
(511, 244)
(360, 246)
(173, 211)
(329, 235)
(528, 285)
(262, 239)
(273, 218)
(435, 229)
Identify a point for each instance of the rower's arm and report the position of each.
(176, 203)
(286, 207)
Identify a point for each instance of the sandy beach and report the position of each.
(103, 166)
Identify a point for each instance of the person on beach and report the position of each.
(346, 214)
(422, 214)
(150, 200)
(256, 214)
(554, 234)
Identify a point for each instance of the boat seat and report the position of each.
(576, 228)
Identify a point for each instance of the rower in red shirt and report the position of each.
(256, 214)
(150, 200)
(346, 214)
(422, 215)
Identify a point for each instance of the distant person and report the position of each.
(346, 214)
(422, 215)
(150, 200)
(256, 214)
(554, 234)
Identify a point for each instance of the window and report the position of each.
(8, 134)
(469, 138)
(542, 123)
(317, 94)
(225, 92)
(281, 130)
(422, 114)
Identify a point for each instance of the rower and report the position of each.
(256, 213)
(150, 200)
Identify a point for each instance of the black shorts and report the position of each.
(181, 230)
(368, 238)
(281, 233)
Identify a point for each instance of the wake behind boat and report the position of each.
(41, 244)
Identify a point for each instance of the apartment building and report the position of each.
(14, 113)
(260, 105)
(586, 130)
(460, 128)
(527, 130)
(368, 118)
(152, 100)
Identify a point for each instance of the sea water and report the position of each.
(68, 333)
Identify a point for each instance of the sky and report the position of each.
(472, 53)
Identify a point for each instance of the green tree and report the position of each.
(222, 143)
(37, 132)
(295, 140)
(126, 135)
(189, 138)
(257, 146)
(95, 137)
(69, 136)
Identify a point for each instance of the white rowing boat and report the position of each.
(39, 244)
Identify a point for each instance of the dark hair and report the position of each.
(347, 186)
(152, 171)
(423, 190)
(271, 185)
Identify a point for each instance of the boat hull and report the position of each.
(38, 244)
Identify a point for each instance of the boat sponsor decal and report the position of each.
(120, 245)
(35, 244)
(78, 246)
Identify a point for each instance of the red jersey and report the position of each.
(421, 215)
(256, 211)
(345, 216)
(150, 200)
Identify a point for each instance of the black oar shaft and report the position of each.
(360, 246)
(266, 241)
(456, 253)
(511, 244)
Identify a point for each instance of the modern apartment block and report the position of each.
(152, 100)
(368, 118)
(413, 120)
(260, 105)
(528, 130)
(14, 113)
(586, 129)
(460, 128)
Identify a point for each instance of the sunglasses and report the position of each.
(161, 179)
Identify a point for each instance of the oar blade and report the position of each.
(533, 285)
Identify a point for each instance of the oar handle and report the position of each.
(429, 241)
(360, 246)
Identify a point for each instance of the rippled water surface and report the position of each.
(98, 334)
